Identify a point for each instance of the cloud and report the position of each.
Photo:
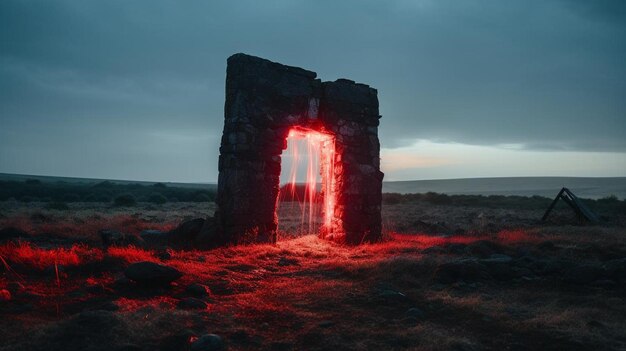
(397, 160)
(543, 75)
(612, 11)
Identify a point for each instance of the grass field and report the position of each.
(448, 277)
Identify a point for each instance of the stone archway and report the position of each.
(264, 102)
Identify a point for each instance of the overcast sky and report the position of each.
(135, 89)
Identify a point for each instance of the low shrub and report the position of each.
(125, 200)
(57, 205)
(157, 199)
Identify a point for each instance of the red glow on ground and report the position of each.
(320, 151)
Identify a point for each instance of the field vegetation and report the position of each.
(454, 273)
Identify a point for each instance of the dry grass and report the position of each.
(305, 293)
(36, 258)
(131, 254)
(83, 220)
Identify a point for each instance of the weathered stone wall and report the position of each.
(264, 100)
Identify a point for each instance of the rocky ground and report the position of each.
(448, 278)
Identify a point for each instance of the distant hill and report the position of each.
(89, 181)
(590, 188)
(584, 187)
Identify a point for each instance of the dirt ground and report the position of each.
(447, 278)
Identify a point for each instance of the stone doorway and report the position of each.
(306, 198)
(265, 102)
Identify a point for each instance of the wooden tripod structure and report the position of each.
(582, 211)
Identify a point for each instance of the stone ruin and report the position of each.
(264, 102)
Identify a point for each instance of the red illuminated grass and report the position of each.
(83, 227)
(512, 236)
(37, 258)
(131, 254)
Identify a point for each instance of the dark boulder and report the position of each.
(5, 295)
(150, 273)
(197, 290)
(191, 303)
(208, 342)
(497, 259)
(208, 237)
(186, 233)
(414, 312)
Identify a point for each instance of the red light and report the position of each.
(320, 148)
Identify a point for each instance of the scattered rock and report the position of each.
(208, 342)
(392, 296)
(197, 290)
(497, 258)
(164, 255)
(186, 232)
(92, 304)
(499, 267)
(414, 312)
(5, 295)
(150, 273)
(115, 238)
(191, 303)
(208, 238)
(221, 287)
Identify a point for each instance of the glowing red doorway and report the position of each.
(264, 100)
(317, 149)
